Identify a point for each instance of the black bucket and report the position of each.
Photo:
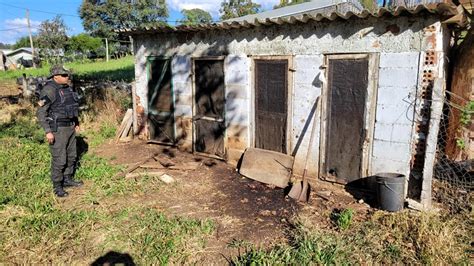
(390, 191)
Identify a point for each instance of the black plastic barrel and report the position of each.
(390, 191)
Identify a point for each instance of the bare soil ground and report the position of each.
(242, 209)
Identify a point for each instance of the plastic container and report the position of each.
(390, 191)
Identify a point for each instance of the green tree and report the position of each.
(52, 38)
(102, 17)
(290, 3)
(83, 43)
(238, 8)
(23, 42)
(195, 16)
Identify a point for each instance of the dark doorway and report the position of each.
(345, 135)
(271, 90)
(208, 119)
(160, 101)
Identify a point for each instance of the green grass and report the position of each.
(37, 228)
(342, 218)
(386, 238)
(120, 69)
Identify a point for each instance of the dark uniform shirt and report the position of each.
(48, 96)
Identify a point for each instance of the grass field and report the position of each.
(120, 69)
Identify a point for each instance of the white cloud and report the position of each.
(212, 6)
(14, 29)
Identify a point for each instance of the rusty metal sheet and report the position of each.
(268, 167)
(348, 81)
(271, 80)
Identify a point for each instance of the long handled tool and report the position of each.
(300, 191)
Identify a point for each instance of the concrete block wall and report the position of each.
(181, 71)
(398, 80)
(308, 82)
(238, 102)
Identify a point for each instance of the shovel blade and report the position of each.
(295, 191)
(304, 195)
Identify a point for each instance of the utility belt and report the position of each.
(65, 123)
(59, 122)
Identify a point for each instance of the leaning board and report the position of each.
(268, 167)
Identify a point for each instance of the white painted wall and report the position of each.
(398, 81)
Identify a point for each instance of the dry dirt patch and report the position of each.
(242, 209)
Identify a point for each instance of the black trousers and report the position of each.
(63, 153)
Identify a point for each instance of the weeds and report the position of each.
(342, 218)
(393, 238)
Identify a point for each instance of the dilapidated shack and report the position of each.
(373, 82)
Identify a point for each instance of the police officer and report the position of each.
(58, 115)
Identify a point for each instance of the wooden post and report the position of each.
(31, 38)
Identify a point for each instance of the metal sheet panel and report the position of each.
(160, 103)
(271, 82)
(348, 81)
(209, 100)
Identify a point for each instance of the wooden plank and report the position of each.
(141, 174)
(127, 127)
(268, 167)
(125, 119)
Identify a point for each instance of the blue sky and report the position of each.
(13, 12)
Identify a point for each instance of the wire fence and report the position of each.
(454, 158)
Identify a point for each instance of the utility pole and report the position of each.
(31, 38)
(106, 50)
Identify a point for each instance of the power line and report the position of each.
(40, 11)
(12, 29)
(69, 15)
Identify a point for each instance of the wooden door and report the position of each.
(209, 101)
(271, 104)
(160, 101)
(346, 110)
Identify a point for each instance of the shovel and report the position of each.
(300, 190)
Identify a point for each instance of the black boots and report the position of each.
(70, 182)
(58, 190)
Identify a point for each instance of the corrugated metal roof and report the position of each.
(332, 14)
(302, 8)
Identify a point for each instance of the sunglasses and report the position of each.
(64, 75)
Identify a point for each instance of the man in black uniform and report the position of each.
(58, 115)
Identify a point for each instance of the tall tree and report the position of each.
(290, 3)
(238, 8)
(52, 38)
(195, 16)
(102, 17)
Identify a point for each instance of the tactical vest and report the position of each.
(66, 105)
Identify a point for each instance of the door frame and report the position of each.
(194, 107)
(289, 110)
(149, 61)
(369, 112)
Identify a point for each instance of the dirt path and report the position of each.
(241, 208)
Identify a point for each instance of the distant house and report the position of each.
(374, 84)
(15, 56)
